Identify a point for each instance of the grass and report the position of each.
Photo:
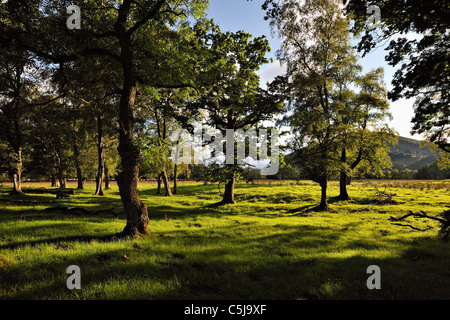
(269, 245)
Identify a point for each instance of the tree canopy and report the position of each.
(418, 44)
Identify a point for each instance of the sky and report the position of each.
(234, 15)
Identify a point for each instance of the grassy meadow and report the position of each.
(269, 245)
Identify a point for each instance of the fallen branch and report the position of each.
(379, 197)
(444, 221)
(417, 215)
(412, 227)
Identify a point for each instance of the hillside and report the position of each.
(408, 154)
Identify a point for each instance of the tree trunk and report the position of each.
(99, 181)
(62, 181)
(175, 179)
(80, 178)
(166, 182)
(343, 194)
(59, 170)
(127, 180)
(107, 180)
(159, 181)
(228, 195)
(17, 173)
(323, 206)
(101, 158)
(12, 128)
(55, 183)
(76, 156)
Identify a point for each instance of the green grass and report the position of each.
(269, 245)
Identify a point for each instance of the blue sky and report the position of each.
(234, 15)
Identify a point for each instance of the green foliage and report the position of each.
(422, 60)
(154, 154)
(336, 113)
(432, 172)
(235, 100)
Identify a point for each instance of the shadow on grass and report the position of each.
(308, 210)
(242, 271)
(82, 239)
(296, 262)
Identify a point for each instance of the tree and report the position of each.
(137, 37)
(236, 101)
(18, 74)
(76, 131)
(98, 100)
(156, 125)
(287, 170)
(49, 131)
(365, 137)
(334, 110)
(423, 71)
(318, 55)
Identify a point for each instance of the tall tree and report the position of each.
(236, 102)
(17, 91)
(49, 125)
(365, 136)
(156, 125)
(326, 116)
(77, 134)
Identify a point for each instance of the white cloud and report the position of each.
(270, 71)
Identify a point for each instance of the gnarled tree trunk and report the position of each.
(228, 195)
(159, 182)
(128, 178)
(345, 179)
(80, 178)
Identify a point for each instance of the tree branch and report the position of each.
(153, 12)
(418, 215)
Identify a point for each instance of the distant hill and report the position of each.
(408, 154)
